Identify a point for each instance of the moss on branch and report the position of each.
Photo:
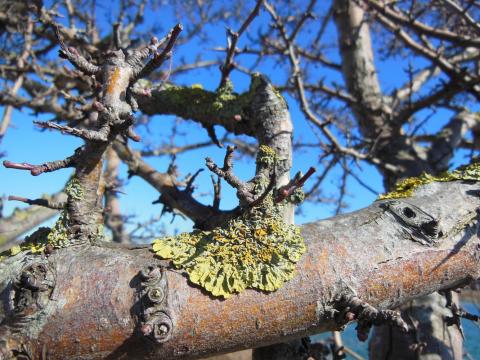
(222, 107)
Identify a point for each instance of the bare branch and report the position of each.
(72, 55)
(48, 203)
(159, 59)
(204, 217)
(233, 37)
(226, 173)
(400, 18)
(43, 168)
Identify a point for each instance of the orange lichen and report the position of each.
(112, 82)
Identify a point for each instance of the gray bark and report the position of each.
(88, 305)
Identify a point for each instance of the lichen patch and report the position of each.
(406, 188)
(256, 250)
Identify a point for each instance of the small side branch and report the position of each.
(217, 190)
(367, 316)
(233, 37)
(36, 170)
(159, 59)
(48, 203)
(297, 182)
(72, 55)
(85, 134)
(190, 182)
(226, 173)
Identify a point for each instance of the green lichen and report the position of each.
(266, 156)
(35, 243)
(255, 250)
(224, 95)
(279, 95)
(58, 236)
(406, 188)
(297, 197)
(74, 189)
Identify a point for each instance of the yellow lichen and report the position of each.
(197, 86)
(266, 156)
(255, 250)
(34, 243)
(406, 188)
(74, 190)
(58, 235)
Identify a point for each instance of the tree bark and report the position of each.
(88, 301)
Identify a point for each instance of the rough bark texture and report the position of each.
(92, 308)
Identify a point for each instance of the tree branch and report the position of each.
(204, 217)
(367, 257)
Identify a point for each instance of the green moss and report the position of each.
(406, 188)
(256, 250)
(196, 103)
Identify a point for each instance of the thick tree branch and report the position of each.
(375, 118)
(367, 257)
(112, 213)
(210, 108)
